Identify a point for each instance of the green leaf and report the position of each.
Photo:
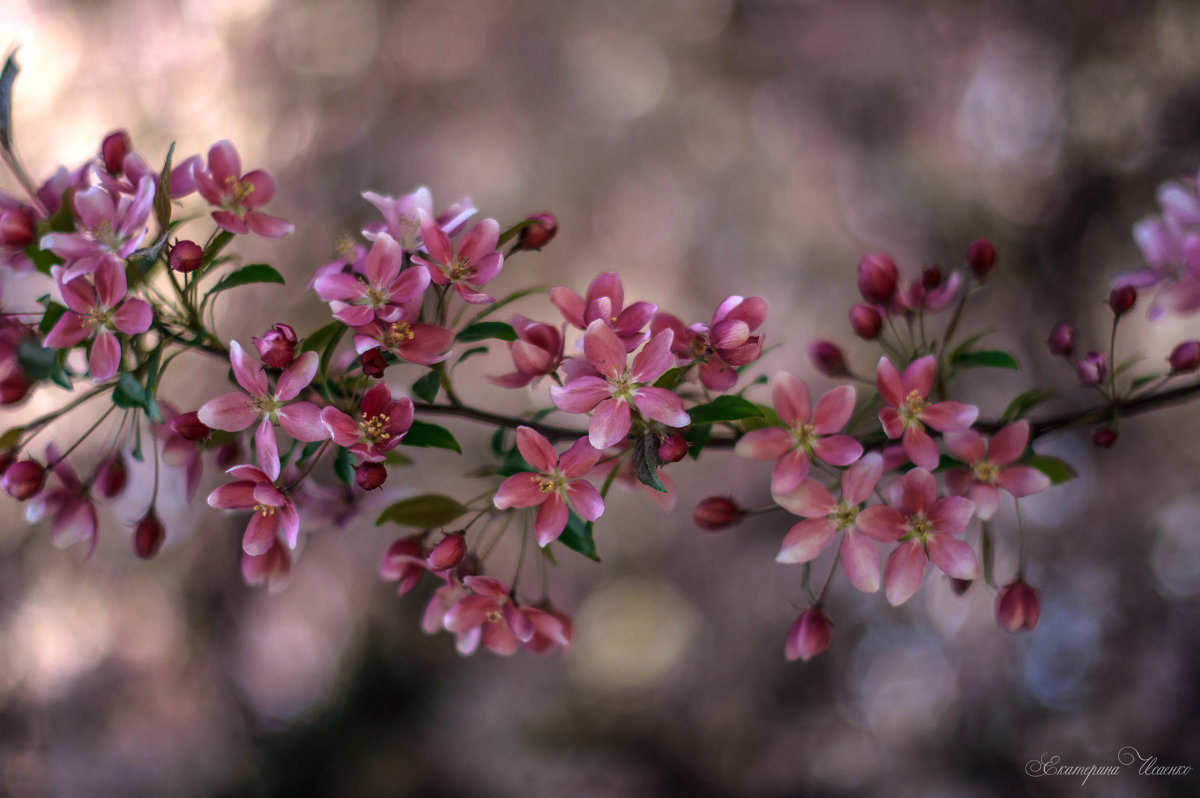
(475, 350)
(986, 358)
(483, 330)
(513, 297)
(578, 537)
(253, 273)
(1144, 380)
(423, 512)
(343, 466)
(724, 408)
(162, 198)
(497, 440)
(41, 363)
(427, 387)
(152, 366)
(309, 450)
(42, 259)
(1056, 468)
(965, 345)
(671, 377)
(697, 438)
(128, 393)
(214, 249)
(395, 458)
(320, 338)
(511, 232)
(646, 462)
(1025, 402)
(430, 435)
(11, 438)
(987, 548)
(53, 313)
(7, 77)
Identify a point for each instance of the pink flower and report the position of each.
(235, 411)
(237, 195)
(401, 216)
(551, 630)
(931, 292)
(825, 517)
(277, 347)
(806, 434)
(271, 569)
(488, 615)
(416, 342)
(722, 345)
(928, 525)
(273, 510)
(403, 562)
(384, 424)
(383, 291)
(908, 411)
(537, 351)
(473, 263)
(179, 451)
(619, 386)
(557, 482)
(107, 224)
(95, 311)
(605, 299)
(69, 505)
(1017, 607)
(990, 467)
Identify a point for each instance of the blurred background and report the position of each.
(700, 148)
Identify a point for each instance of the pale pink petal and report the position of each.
(569, 304)
(352, 315)
(860, 479)
(134, 316)
(247, 371)
(302, 420)
(920, 490)
(266, 493)
(610, 423)
(789, 471)
(604, 349)
(297, 376)
(224, 162)
(920, 448)
(530, 359)
(967, 445)
(536, 450)
(661, 405)
(860, 561)
(607, 285)
(805, 540)
(881, 522)
(289, 525)
(986, 498)
(903, 573)
(231, 412)
(517, 622)
(110, 281)
(919, 376)
(260, 533)
(230, 223)
(488, 586)
(949, 416)
(953, 557)
(497, 639)
(520, 490)
(838, 450)
(468, 612)
(266, 447)
(93, 207)
(480, 240)
(409, 286)
(654, 359)
(833, 410)
(580, 395)
(485, 268)
(233, 496)
(248, 473)
(579, 459)
(551, 520)
(717, 376)
(339, 286)
(383, 261)
(764, 444)
(434, 239)
(893, 425)
(1009, 443)
(633, 318)
(585, 499)
(951, 514)
(790, 397)
(887, 382)
(728, 334)
(1022, 480)
(105, 356)
(809, 499)
(76, 522)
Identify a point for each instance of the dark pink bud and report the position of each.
(981, 257)
(1122, 299)
(960, 586)
(148, 536)
(277, 347)
(23, 479)
(17, 227)
(1104, 437)
(13, 389)
(189, 426)
(877, 277)
(828, 359)
(538, 234)
(716, 513)
(866, 321)
(1185, 357)
(1062, 339)
(373, 363)
(186, 256)
(809, 635)
(113, 149)
(673, 449)
(111, 477)
(448, 552)
(1017, 607)
(931, 277)
(370, 476)
(1092, 369)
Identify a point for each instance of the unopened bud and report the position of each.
(113, 149)
(538, 234)
(189, 426)
(1017, 607)
(1122, 299)
(673, 449)
(932, 277)
(1062, 339)
(111, 477)
(866, 321)
(716, 513)
(186, 256)
(17, 227)
(1092, 369)
(448, 552)
(1185, 357)
(877, 277)
(13, 389)
(277, 347)
(1104, 437)
(23, 479)
(981, 257)
(370, 476)
(149, 535)
(373, 362)
(809, 635)
(828, 358)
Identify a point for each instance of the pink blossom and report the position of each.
(381, 293)
(826, 516)
(271, 569)
(990, 467)
(178, 450)
(931, 292)
(809, 636)
(908, 410)
(95, 311)
(552, 630)
(238, 196)
(806, 434)
(557, 482)
(404, 563)
(414, 341)
(488, 615)
(1171, 249)
(605, 299)
(107, 224)
(472, 263)
(620, 386)
(926, 526)
(722, 345)
(384, 424)
(70, 507)
(235, 411)
(273, 511)
(537, 351)
(277, 347)
(401, 216)
(1017, 607)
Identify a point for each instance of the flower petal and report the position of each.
(654, 359)
(604, 349)
(134, 316)
(1009, 443)
(881, 522)
(860, 561)
(585, 499)
(1022, 480)
(247, 371)
(579, 459)
(661, 405)
(266, 447)
(947, 416)
(551, 520)
(809, 499)
(789, 471)
(610, 423)
(520, 490)
(833, 410)
(861, 478)
(887, 382)
(231, 412)
(920, 448)
(764, 444)
(805, 540)
(953, 557)
(297, 376)
(838, 450)
(903, 573)
(302, 420)
(951, 514)
(105, 357)
(967, 445)
(536, 450)
(580, 394)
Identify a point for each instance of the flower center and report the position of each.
(266, 509)
(378, 297)
(803, 435)
(622, 387)
(985, 471)
(461, 270)
(97, 317)
(264, 405)
(548, 484)
(844, 515)
(919, 526)
(914, 403)
(372, 428)
(238, 191)
(494, 616)
(398, 333)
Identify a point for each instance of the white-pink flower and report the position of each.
(472, 263)
(383, 291)
(107, 223)
(990, 467)
(238, 196)
(908, 409)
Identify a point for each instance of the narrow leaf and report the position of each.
(987, 358)
(724, 408)
(253, 273)
(483, 330)
(423, 512)
(322, 336)
(1025, 402)
(427, 387)
(646, 462)
(578, 537)
(430, 435)
(343, 466)
(1056, 468)
(7, 77)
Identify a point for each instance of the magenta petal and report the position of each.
(809, 499)
(520, 490)
(230, 223)
(860, 561)
(569, 304)
(919, 376)
(531, 359)
(352, 315)
(302, 420)
(833, 410)
(105, 357)
(958, 480)
(233, 496)
(838, 450)
(893, 425)
(339, 286)
(579, 459)
(78, 295)
(920, 448)
(260, 533)
(76, 522)
(903, 573)
(518, 622)
(248, 473)
(585, 499)
(224, 162)
(231, 412)
(764, 444)
(610, 423)
(729, 334)
(1022, 480)
(717, 376)
(536, 450)
(967, 445)
(268, 226)
(947, 416)
(289, 525)
(409, 286)
(951, 514)
(805, 540)
(430, 344)
(266, 493)
(134, 316)
(604, 349)
(790, 397)
(580, 395)
(661, 405)
(551, 520)
(881, 522)
(267, 449)
(297, 376)
(67, 331)
(887, 382)
(1009, 443)
(860, 479)
(247, 371)
(654, 359)
(789, 471)
(110, 281)
(383, 261)
(986, 498)
(953, 557)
